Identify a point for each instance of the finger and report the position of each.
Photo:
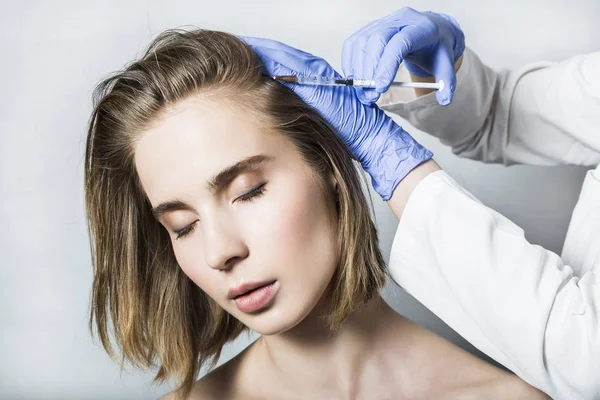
(294, 64)
(370, 96)
(273, 61)
(362, 68)
(280, 63)
(363, 56)
(353, 44)
(274, 45)
(404, 42)
(373, 50)
(347, 49)
(356, 57)
(366, 96)
(443, 70)
(271, 65)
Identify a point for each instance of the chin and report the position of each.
(274, 321)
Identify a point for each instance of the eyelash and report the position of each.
(246, 197)
(253, 193)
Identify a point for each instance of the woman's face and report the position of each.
(248, 221)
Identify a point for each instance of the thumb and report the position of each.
(443, 70)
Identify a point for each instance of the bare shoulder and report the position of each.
(461, 375)
(220, 383)
(522, 390)
(503, 387)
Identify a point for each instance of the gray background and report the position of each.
(54, 53)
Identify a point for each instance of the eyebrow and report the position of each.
(216, 183)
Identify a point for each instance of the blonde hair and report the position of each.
(157, 316)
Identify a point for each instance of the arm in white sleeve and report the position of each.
(581, 249)
(515, 301)
(541, 114)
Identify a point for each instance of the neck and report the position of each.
(310, 352)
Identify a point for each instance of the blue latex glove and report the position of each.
(428, 43)
(385, 150)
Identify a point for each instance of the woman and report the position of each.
(219, 201)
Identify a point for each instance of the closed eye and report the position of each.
(249, 196)
(253, 193)
(185, 231)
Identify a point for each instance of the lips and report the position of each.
(245, 288)
(254, 297)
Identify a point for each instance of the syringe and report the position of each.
(365, 83)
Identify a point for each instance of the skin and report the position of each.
(287, 234)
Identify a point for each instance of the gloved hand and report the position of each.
(428, 43)
(385, 150)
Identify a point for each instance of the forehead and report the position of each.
(197, 138)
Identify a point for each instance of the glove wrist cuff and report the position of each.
(397, 154)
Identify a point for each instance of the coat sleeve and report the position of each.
(581, 249)
(515, 301)
(541, 114)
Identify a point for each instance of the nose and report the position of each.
(224, 246)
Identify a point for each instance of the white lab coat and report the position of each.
(526, 307)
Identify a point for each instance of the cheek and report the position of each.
(291, 225)
(288, 223)
(190, 258)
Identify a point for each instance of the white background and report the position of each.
(52, 56)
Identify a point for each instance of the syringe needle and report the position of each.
(364, 83)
